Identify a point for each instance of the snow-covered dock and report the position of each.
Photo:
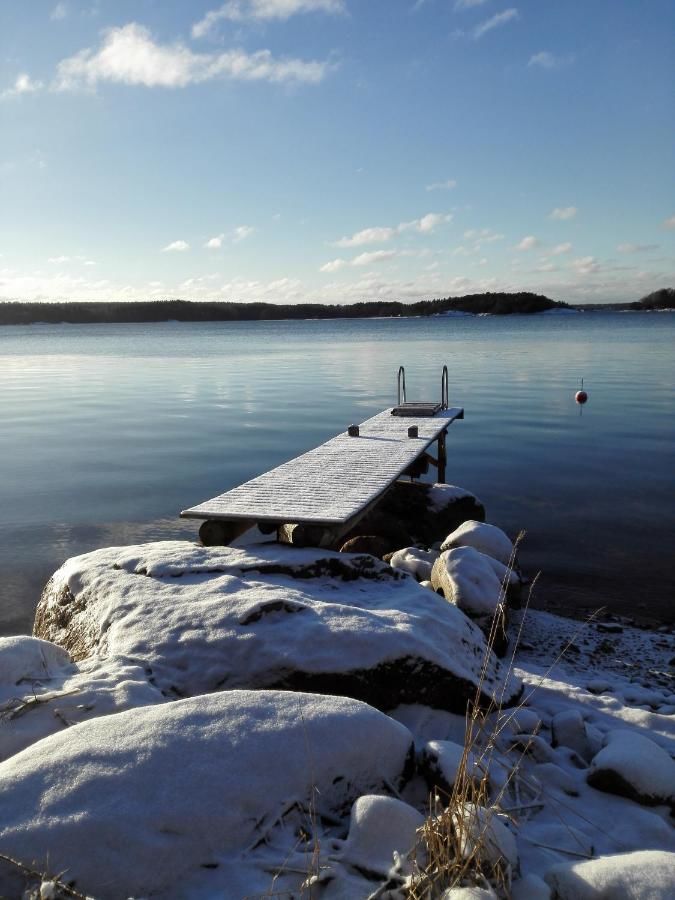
(334, 484)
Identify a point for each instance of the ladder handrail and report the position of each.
(444, 388)
(401, 375)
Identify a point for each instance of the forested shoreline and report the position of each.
(491, 303)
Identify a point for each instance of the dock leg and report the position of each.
(442, 456)
(301, 535)
(217, 533)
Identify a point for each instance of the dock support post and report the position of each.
(442, 456)
(215, 533)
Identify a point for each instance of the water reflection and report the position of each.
(108, 431)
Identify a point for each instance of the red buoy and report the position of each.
(581, 396)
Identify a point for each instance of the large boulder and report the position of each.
(42, 691)
(201, 619)
(201, 797)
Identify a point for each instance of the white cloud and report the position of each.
(636, 248)
(262, 10)
(561, 248)
(528, 243)
(334, 265)
(563, 213)
(495, 22)
(482, 236)
(58, 260)
(442, 185)
(176, 246)
(468, 4)
(426, 224)
(376, 256)
(381, 234)
(89, 262)
(363, 259)
(129, 55)
(547, 60)
(546, 267)
(241, 232)
(376, 235)
(586, 265)
(60, 11)
(23, 84)
(669, 223)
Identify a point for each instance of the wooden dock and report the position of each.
(328, 489)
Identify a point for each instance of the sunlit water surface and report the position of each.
(108, 431)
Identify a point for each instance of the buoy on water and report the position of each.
(581, 396)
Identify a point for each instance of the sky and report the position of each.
(336, 150)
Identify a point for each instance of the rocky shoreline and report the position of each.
(269, 720)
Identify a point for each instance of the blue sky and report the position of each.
(335, 150)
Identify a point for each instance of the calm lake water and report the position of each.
(108, 431)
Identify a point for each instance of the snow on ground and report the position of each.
(215, 618)
(250, 793)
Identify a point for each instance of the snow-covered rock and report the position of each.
(524, 721)
(415, 561)
(484, 834)
(487, 538)
(530, 887)
(634, 766)
(440, 763)
(26, 659)
(569, 730)
(42, 691)
(468, 893)
(379, 828)
(471, 580)
(213, 618)
(193, 798)
(645, 875)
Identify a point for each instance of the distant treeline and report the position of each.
(663, 299)
(19, 313)
(496, 304)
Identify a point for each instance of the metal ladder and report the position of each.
(421, 408)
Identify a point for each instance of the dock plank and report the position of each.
(334, 482)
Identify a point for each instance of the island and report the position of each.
(99, 312)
